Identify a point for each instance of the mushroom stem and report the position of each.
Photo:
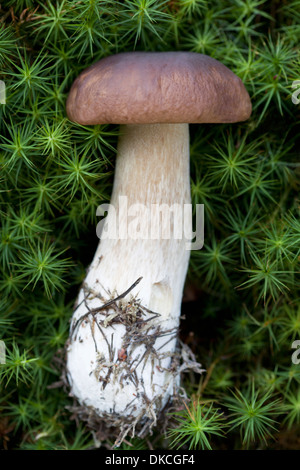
(119, 359)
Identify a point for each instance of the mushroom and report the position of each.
(122, 354)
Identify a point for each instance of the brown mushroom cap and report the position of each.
(158, 87)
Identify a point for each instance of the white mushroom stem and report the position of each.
(119, 362)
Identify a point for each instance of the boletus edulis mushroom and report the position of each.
(122, 353)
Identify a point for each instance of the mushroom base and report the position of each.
(129, 389)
